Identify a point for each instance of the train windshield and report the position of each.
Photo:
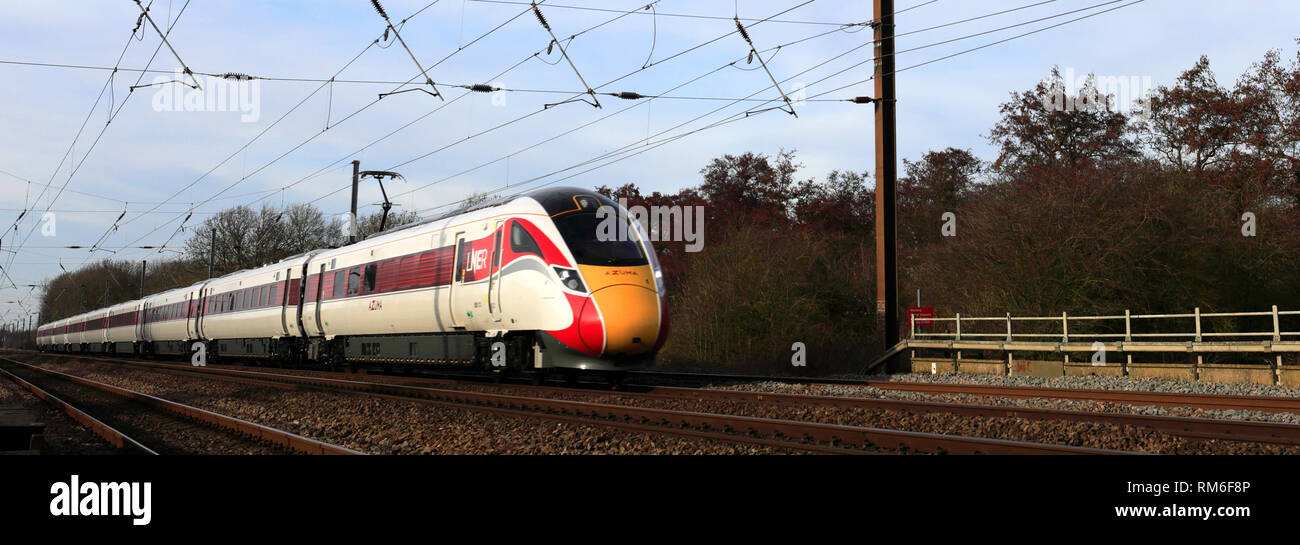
(604, 240)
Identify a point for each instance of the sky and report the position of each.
(292, 141)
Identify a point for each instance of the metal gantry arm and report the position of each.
(144, 12)
(387, 205)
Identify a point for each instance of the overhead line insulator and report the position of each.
(379, 8)
(536, 11)
(743, 33)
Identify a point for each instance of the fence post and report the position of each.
(1277, 333)
(912, 319)
(959, 326)
(1065, 328)
(1196, 367)
(1008, 327)
(1128, 337)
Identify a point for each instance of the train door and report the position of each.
(139, 322)
(460, 308)
(191, 315)
(320, 282)
(200, 309)
(146, 330)
(494, 277)
(284, 301)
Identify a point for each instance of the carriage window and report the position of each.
(521, 242)
(371, 270)
(354, 281)
(271, 298)
(261, 298)
(338, 284)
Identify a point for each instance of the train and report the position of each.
(525, 283)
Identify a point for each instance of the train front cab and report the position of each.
(622, 320)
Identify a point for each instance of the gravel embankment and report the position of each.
(1130, 384)
(1086, 434)
(384, 426)
(1097, 435)
(1038, 402)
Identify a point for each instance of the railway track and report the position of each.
(1186, 427)
(778, 433)
(1162, 399)
(151, 425)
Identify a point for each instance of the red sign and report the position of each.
(921, 315)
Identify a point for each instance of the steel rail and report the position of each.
(267, 434)
(1189, 427)
(96, 426)
(733, 427)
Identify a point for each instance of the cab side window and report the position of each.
(521, 242)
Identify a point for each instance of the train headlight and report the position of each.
(569, 277)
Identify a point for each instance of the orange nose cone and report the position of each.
(631, 316)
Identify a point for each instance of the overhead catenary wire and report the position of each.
(740, 27)
(102, 130)
(163, 35)
(416, 120)
(678, 15)
(448, 103)
(345, 118)
(412, 122)
(516, 182)
(648, 95)
(627, 152)
(230, 75)
(855, 99)
(536, 112)
(427, 80)
(662, 60)
(282, 117)
(565, 53)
